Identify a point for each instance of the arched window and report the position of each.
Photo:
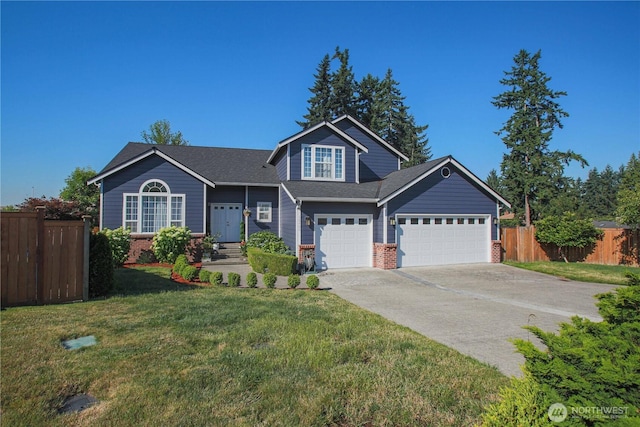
(152, 208)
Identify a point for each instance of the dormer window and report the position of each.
(322, 162)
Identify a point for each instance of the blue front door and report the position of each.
(226, 219)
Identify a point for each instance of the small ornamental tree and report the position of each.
(567, 231)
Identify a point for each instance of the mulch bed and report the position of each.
(174, 276)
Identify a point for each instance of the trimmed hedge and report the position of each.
(215, 278)
(270, 280)
(189, 273)
(293, 281)
(233, 279)
(101, 279)
(313, 282)
(278, 264)
(252, 280)
(204, 275)
(181, 262)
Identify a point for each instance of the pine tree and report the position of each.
(366, 105)
(628, 197)
(530, 169)
(343, 86)
(320, 102)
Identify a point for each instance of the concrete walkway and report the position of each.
(475, 309)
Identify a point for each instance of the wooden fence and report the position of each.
(617, 246)
(43, 261)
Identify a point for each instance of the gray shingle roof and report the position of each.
(220, 165)
(396, 180)
(332, 190)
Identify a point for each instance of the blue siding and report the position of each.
(378, 162)
(437, 195)
(288, 220)
(263, 194)
(311, 209)
(131, 178)
(322, 136)
(281, 164)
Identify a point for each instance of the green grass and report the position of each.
(595, 273)
(180, 355)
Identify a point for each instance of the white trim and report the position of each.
(305, 132)
(293, 199)
(357, 166)
(448, 160)
(250, 184)
(168, 195)
(245, 219)
(279, 212)
(372, 135)
(154, 150)
(101, 205)
(288, 162)
(384, 224)
(337, 199)
(334, 149)
(399, 164)
(298, 227)
(204, 210)
(269, 206)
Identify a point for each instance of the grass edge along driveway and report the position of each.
(220, 356)
(579, 271)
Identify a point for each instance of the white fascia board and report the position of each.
(480, 183)
(371, 134)
(337, 199)
(293, 138)
(412, 183)
(249, 184)
(293, 199)
(347, 138)
(142, 156)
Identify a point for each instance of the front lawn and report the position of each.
(595, 273)
(178, 355)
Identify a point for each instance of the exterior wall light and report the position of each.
(392, 221)
(307, 221)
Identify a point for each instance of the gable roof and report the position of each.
(312, 129)
(398, 182)
(372, 134)
(325, 191)
(211, 165)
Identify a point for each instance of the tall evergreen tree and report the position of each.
(600, 190)
(319, 108)
(343, 100)
(628, 198)
(378, 104)
(530, 169)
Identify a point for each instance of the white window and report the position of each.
(153, 208)
(264, 211)
(322, 162)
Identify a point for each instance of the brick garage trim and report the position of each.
(496, 251)
(385, 256)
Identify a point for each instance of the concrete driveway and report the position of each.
(474, 309)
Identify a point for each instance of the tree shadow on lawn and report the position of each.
(146, 280)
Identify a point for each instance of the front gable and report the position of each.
(320, 153)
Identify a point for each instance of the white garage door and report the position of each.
(343, 241)
(438, 240)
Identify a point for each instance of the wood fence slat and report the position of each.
(617, 246)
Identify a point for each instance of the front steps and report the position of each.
(228, 254)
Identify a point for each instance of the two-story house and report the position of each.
(335, 188)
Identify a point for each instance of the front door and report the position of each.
(226, 219)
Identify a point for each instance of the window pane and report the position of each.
(307, 162)
(154, 213)
(322, 221)
(335, 221)
(338, 164)
(323, 163)
(350, 221)
(131, 213)
(154, 187)
(176, 211)
(363, 221)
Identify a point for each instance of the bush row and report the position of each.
(278, 264)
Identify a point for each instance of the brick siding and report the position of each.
(385, 255)
(496, 251)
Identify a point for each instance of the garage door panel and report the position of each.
(438, 240)
(344, 241)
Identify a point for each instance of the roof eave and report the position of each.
(371, 134)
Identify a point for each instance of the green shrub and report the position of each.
(189, 273)
(633, 279)
(204, 275)
(267, 241)
(567, 231)
(181, 262)
(592, 364)
(522, 403)
(233, 279)
(252, 280)
(270, 280)
(120, 242)
(100, 265)
(313, 282)
(215, 278)
(293, 281)
(170, 242)
(279, 264)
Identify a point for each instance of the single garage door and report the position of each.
(343, 241)
(439, 240)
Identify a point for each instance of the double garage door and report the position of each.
(343, 241)
(438, 240)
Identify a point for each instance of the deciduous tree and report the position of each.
(160, 133)
(86, 196)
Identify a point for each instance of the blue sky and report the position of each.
(81, 79)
